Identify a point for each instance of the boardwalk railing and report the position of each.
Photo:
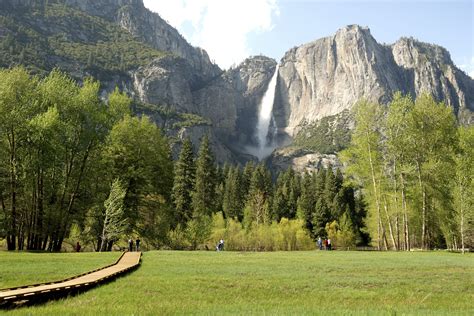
(50, 290)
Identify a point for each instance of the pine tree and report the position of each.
(183, 186)
(286, 195)
(233, 201)
(246, 178)
(329, 194)
(259, 197)
(306, 201)
(320, 218)
(204, 194)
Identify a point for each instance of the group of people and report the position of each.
(137, 244)
(325, 242)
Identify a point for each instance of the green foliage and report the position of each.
(204, 194)
(329, 135)
(137, 152)
(114, 222)
(198, 230)
(60, 149)
(285, 235)
(342, 233)
(403, 159)
(190, 119)
(183, 185)
(41, 36)
(233, 199)
(464, 186)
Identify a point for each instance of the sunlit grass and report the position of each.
(282, 283)
(23, 268)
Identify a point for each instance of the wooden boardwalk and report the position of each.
(127, 262)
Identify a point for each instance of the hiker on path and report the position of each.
(137, 242)
(130, 244)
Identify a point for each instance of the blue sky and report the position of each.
(231, 30)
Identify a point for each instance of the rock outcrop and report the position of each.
(301, 160)
(329, 75)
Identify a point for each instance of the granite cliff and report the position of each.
(328, 76)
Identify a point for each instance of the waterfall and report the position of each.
(264, 148)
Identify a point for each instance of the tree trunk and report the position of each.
(406, 232)
(394, 244)
(395, 197)
(423, 208)
(397, 227)
(374, 183)
(12, 225)
(461, 211)
(104, 232)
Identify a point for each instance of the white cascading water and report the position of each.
(265, 117)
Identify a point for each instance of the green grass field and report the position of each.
(170, 282)
(23, 268)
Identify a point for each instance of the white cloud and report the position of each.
(221, 27)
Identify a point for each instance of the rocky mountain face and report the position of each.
(188, 81)
(123, 44)
(329, 75)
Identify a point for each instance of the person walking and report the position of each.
(78, 247)
(329, 244)
(320, 243)
(130, 244)
(137, 244)
(220, 245)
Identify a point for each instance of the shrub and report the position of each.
(285, 235)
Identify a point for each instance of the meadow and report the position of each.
(24, 268)
(313, 283)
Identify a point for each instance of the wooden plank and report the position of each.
(127, 261)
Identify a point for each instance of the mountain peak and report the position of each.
(354, 28)
(412, 45)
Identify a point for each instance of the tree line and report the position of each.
(250, 204)
(73, 165)
(415, 166)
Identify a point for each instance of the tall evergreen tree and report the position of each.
(307, 201)
(233, 201)
(259, 197)
(183, 186)
(204, 194)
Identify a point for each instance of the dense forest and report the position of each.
(76, 167)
